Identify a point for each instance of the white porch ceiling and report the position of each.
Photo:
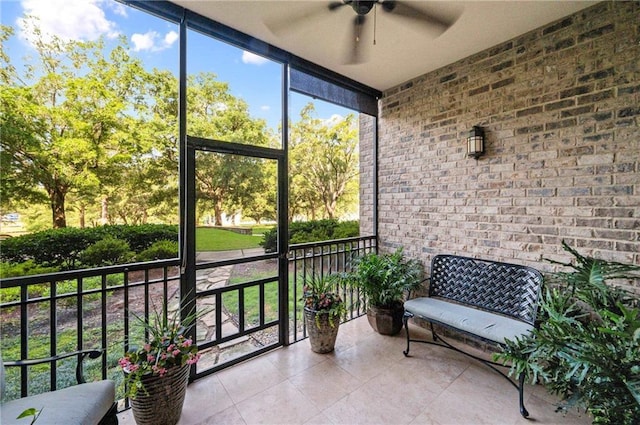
(404, 48)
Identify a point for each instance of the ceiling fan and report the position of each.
(437, 24)
(434, 23)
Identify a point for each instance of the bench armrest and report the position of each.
(81, 354)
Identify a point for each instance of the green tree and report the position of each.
(225, 183)
(262, 204)
(65, 121)
(149, 183)
(323, 165)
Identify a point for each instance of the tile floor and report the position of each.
(366, 380)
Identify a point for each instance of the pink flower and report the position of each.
(159, 370)
(151, 358)
(193, 359)
(187, 343)
(147, 347)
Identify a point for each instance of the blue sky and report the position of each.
(155, 42)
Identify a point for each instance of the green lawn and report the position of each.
(212, 239)
(252, 300)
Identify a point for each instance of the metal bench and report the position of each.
(488, 300)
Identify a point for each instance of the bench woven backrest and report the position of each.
(509, 289)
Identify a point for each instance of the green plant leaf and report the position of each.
(587, 344)
(28, 412)
(32, 411)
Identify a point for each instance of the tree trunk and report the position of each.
(56, 196)
(82, 216)
(330, 209)
(104, 216)
(217, 210)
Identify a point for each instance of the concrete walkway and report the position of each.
(205, 256)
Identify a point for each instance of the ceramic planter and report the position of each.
(322, 335)
(385, 321)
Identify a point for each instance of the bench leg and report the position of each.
(523, 410)
(405, 321)
(488, 363)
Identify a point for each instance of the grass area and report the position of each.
(252, 300)
(212, 239)
(252, 303)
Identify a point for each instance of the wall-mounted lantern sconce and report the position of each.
(475, 142)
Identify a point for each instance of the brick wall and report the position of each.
(367, 134)
(560, 107)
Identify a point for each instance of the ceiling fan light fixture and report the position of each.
(362, 7)
(401, 8)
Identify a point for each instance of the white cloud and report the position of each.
(333, 120)
(253, 59)
(170, 38)
(67, 19)
(118, 8)
(265, 108)
(144, 41)
(152, 41)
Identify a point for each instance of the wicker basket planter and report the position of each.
(322, 337)
(160, 403)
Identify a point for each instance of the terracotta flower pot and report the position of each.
(322, 337)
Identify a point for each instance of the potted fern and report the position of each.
(385, 280)
(586, 348)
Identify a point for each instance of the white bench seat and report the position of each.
(490, 326)
(82, 404)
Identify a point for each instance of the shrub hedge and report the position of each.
(160, 250)
(26, 268)
(70, 248)
(107, 252)
(62, 248)
(312, 231)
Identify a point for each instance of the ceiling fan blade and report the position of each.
(356, 55)
(337, 4)
(289, 24)
(399, 8)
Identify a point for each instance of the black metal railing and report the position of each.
(49, 314)
(321, 259)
